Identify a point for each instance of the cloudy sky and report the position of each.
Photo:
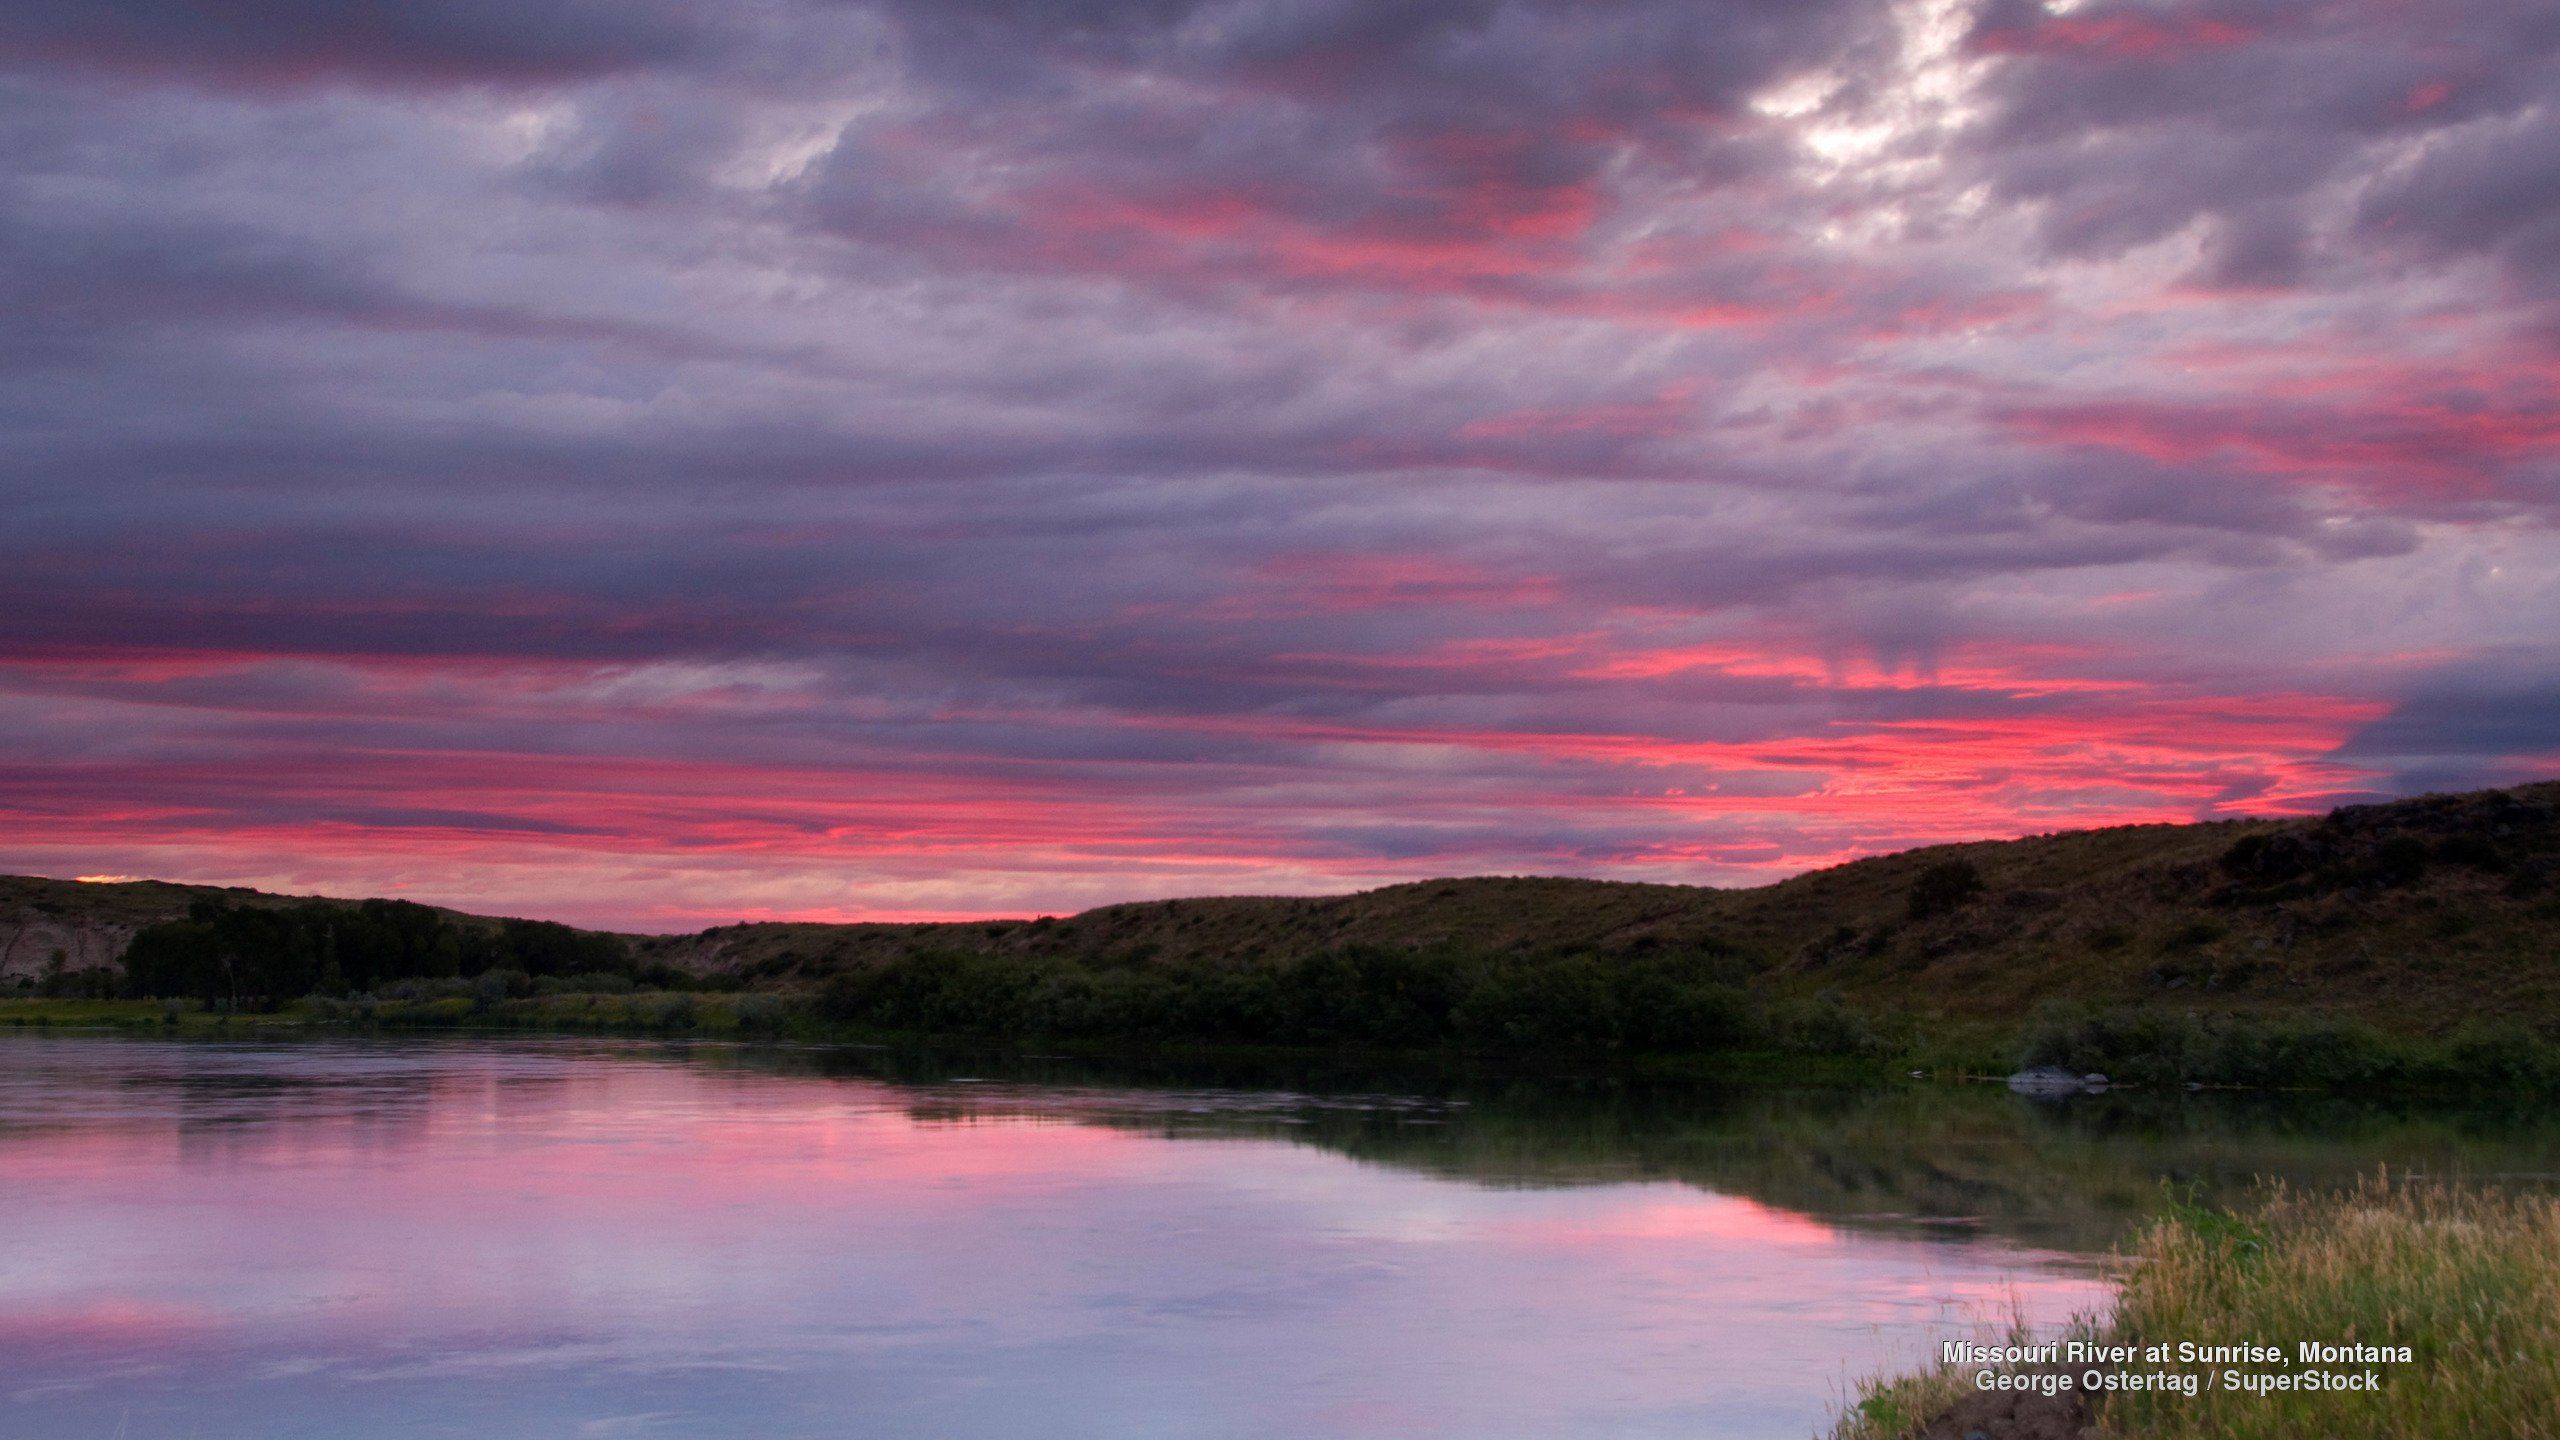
(658, 464)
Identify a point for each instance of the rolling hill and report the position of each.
(2416, 915)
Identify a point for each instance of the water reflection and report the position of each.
(520, 1238)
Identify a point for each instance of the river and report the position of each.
(518, 1237)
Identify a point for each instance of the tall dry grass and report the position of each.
(2468, 1279)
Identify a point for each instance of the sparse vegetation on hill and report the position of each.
(2415, 917)
(2368, 946)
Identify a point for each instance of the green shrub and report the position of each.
(1557, 1005)
(2502, 1055)
(2150, 1046)
(1823, 1025)
(492, 986)
(1944, 888)
(1670, 1000)
(759, 1014)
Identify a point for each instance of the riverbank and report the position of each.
(745, 1018)
(1368, 1008)
(2427, 1310)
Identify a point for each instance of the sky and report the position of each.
(656, 464)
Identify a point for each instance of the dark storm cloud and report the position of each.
(2488, 721)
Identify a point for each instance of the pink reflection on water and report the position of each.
(520, 1241)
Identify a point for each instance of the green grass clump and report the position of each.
(155, 1015)
(77, 1012)
(1891, 1407)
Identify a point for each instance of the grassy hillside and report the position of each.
(2416, 916)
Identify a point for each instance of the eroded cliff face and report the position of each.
(32, 943)
(78, 924)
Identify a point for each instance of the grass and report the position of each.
(2468, 1279)
(95, 1013)
(1891, 1408)
(1894, 1406)
(155, 1017)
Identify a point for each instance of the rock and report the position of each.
(2047, 1080)
(2094, 1080)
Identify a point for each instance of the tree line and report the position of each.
(258, 957)
(1687, 1001)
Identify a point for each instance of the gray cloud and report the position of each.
(1597, 436)
(400, 42)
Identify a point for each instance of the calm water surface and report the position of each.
(507, 1238)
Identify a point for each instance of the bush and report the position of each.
(94, 983)
(261, 955)
(2477, 852)
(1944, 888)
(2502, 1055)
(2269, 859)
(493, 986)
(416, 991)
(2313, 1053)
(2135, 1047)
(2151, 1047)
(1557, 1005)
(1666, 1001)
(668, 1012)
(1663, 1008)
(1823, 1025)
(2402, 860)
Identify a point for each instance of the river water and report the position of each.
(505, 1237)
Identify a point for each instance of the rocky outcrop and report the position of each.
(32, 943)
(2054, 1080)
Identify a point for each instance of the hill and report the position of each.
(56, 926)
(2416, 915)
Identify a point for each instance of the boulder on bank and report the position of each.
(2054, 1080)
